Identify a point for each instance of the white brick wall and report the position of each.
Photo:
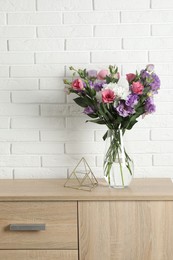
(43, 133)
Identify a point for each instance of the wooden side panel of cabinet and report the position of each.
(121, 230)
(39, 254)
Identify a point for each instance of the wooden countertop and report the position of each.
(53, 190)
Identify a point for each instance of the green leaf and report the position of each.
(80, 101)
(97, 121)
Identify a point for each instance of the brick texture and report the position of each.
(43, 134)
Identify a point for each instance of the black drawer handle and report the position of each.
(27, 227)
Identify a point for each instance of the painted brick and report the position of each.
(11, 135)
(62, 57)
(61, 110)
(43, 18)
(2, 18)
(51, 83)
(64, 31)
(93, 44)
(161, 56)
(163, 160)
(40, 173)
(162, 134)
(16, 58)
(67, 136)
(147, 16)
(36, 44)
(38, 96)
(37, 71)
(3, 45)
(19, 161)
(64, 5)
(4, 71)
(17, 5)
(38, 123)
(85, 148)
(4, 148)
(4, 97)
(37, 148)
(119, 56)
(148, 43)
(164, 108)
(18, 110)
(159, 4)
(18, 84)
(65, 160)
(123, 4)
(6, 173)
(122, 30)
(153, 172)
(91, 18)
(4, 122)
(17, 32)
(162, 30)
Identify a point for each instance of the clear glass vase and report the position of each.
(118, 166)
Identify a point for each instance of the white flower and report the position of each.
(121, 89)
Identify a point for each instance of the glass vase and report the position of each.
(118, 166)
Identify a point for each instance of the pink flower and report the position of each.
(137, 87)
(130, 77)
(102, 74)
(108, 96)
(77, 84)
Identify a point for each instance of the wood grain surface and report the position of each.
(39, 254)
(126, 230)
(60, 219)
(53, 190)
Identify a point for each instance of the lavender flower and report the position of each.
(155, 84)
(124, 110)
(88, 110)
(132, 100)
(150, 68)
(99, 85)
(92, 73)
(150, 106)
(145, 74)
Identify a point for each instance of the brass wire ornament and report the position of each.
(81, 178)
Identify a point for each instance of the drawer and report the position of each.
(60, 219)
(39, 254)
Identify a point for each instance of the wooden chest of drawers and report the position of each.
(42, 220)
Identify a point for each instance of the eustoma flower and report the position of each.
(108, 96)
(137, 88)
(77, 84)
(102, 74)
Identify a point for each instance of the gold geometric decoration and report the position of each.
(81, 178)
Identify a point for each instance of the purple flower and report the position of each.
(132, 100)
(98, 85)
(92, 73)
(155, 84)
(150, 67)
(124, 110)
(144, 74)
(88, 110)
(150, 106)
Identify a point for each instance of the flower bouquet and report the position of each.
(116, 102)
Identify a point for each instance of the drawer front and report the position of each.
(39, 254)
(58, 218)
